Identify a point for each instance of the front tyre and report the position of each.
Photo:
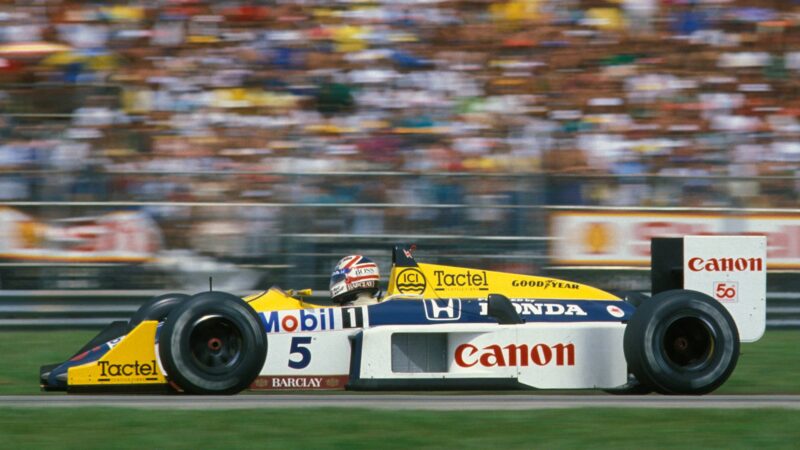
(212, 343)
(157, 308)
(681, 342)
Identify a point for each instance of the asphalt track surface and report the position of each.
(433, 402)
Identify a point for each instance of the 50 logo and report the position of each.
(726, 291)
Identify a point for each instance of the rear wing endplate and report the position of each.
(731, 269)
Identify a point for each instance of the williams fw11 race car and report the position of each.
(444, 327)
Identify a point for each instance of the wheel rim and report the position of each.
(689, 343)
(216, 344)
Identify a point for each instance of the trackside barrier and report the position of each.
(306, 239)
(95, 309)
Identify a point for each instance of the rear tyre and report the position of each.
(157, 308)
(213, 343)
(681, 342)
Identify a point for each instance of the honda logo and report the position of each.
(443, 309)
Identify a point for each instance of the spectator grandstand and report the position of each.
(610, 89)
(479, 108)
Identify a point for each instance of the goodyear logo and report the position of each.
(411, 281)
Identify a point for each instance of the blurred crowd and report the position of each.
(581, 102)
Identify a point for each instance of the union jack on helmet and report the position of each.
(353, 275)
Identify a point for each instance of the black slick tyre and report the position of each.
(212, 343)
(157, 308)
(681, 342)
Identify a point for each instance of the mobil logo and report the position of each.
(443, 309)
(317, 319)
(515, 355)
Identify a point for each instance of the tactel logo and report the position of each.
(467, 280)
(136, 369)
(411, 281)
(440, 309)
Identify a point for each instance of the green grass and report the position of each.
(770, 366)
(24, 351)
(361, 429)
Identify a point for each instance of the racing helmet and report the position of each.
(353, 275)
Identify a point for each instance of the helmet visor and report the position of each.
(338, 276)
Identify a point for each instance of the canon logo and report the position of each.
(726, 264)
(468, 355)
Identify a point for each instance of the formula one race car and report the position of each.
(443, 327)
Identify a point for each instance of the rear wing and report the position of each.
(731, 269)
(402, 256)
